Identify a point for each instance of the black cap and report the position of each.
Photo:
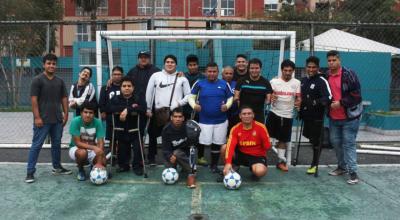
(144, 53)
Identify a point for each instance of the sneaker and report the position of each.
(138, 171)
(312, 170)
(61, 171)
(202, 161)
(122, 169)
(29, 178)
(282, 166)
(81, 175)
(214, 169)
(191, 181)
(337, 172)
(152, 162)
(353, 179)
(220, 178)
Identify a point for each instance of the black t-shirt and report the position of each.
(50, 93)
(174, 138)
(252, 93)
(237, 76)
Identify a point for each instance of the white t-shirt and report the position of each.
(286, 93)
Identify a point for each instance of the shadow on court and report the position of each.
(292, 195)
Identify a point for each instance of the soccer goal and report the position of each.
(219, 46)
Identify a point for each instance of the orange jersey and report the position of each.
(254, 141)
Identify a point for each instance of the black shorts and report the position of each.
(279, 127)
(247, 160)
(312, 130)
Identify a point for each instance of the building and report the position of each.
(130, 9)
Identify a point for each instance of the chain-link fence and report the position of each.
(372, 50)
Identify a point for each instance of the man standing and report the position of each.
(167, 91)
(175, 145)
(106, 94)
(254, 90)
(240, 67)
(247, 145)
(214, 100)
(193, 75)
(141, 74)
(87, 145)
(286, 96)
(344, 113)
(315, 98)
(48, 94)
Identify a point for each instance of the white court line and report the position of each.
(158, 166)
(27, 146)
(196, 200)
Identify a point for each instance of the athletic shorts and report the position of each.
(241, 158)
(91, 154)
(279, 128)
(213, 134)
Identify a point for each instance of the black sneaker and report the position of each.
(61, 171)
(29, 178)
(214, 169)
(353, 179)
(122, 169)
(138, 171)
(152, 162)
(337, 172)
(220, 178)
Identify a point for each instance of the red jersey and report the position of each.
(254, 141)
(335, 83)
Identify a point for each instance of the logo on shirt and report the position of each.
(240, 134)
(312, 86)
(178, 142)
(254, 133)
(165, 85)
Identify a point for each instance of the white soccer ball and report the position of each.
(170, 176)
(232, 180)
(98, 175)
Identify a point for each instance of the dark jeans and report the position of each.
(39, 135)
(154, 133)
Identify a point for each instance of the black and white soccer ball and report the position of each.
(170, 176)
(232, 180)
(98, 175)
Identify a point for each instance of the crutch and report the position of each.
(141, 145)
(112, 144)
(298, 139)
(192, 158)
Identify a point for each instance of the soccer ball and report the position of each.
(98, 175)
(232, 180)
(170, 176)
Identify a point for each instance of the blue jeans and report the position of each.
(39, 135)
(343, 135)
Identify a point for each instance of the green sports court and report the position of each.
(292, 195)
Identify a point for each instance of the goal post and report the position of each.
(281, 43)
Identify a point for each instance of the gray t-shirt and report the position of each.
(50, 94)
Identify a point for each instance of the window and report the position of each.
(87, 56)
(227, 7)
(271, 5)
(163, 7)
(210, 7)
(102, 10)
(83, 32)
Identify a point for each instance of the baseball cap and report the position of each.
(144, 53)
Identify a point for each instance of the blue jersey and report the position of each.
(211, 96)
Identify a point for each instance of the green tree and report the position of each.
(24, 40)
(90, 6)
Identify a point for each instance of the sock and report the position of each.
(200, 151)
(281, 154)
(215, 154)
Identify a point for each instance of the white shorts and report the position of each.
(213, 134)
(91, 154)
